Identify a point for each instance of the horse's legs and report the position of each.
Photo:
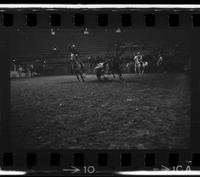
(82, 77)
(139, 69)
(120, 76)
(143, 69)
(135, 68)
(77, 77)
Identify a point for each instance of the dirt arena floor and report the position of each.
(151, 111)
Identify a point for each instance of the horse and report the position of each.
(100, 70)
(110, 67)
(139, 67)
(114, 68)
(143, 66)
(78, 69)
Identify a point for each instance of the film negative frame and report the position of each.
(97, 162)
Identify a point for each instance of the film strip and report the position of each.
(78, 19)
(99, 91)
(101, 163)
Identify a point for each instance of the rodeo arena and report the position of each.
(136, 60)
(75, 93)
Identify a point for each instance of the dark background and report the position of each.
(38, 42)
(97, 46)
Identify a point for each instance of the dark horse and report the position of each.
(114, 67)
(78, 69)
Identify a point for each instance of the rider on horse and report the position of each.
(138, 62)
(138, 58)
(74, 55)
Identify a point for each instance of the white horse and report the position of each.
(143, 66)
(139, 67)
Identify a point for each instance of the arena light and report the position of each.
(53, 32)
(86, 32)
(118, 30)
